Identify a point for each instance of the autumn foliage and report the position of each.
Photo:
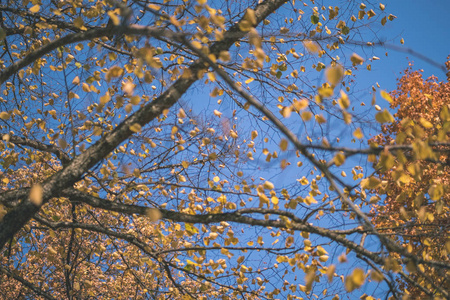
(200, 149)
(415, 183)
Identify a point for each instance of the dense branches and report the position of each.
(122, 178)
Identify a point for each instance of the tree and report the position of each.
(122, 179)
(415, 182)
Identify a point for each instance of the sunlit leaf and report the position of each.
(356, 59)
(334, 74)
(386, 96)
(36, 194)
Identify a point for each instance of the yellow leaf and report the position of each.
(299, 105)
(114, 71)
(386, 96)
(250, 16)
(344, 101)
(4, 115)
(249, 80)
(283, 144)
(356, 59)
(320, 119)
(268, 185)
(154, 6)
(286, 111)
(339, 159)
(78, 22)
(306, 116)
(114, 18)
(135, 127)
(35, 9)
(311, 46)
(85, 87)
(384, 117)
(76, 80)
(212, 76)
(425, 123)
(181, 113)
(376, 276)
(135, 100)
(355, 280)
(224, 56)
(105, 98)
(153, 214)
(36, 194)
(358, 133)
(371, 13)
(62, 143)
(97, 131)
(370, 183)
(334, 74)
(330, 272)
(325, 92)
(436, 191)
(245, 25)
(303, 180)
(274, 200)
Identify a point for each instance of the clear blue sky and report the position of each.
(425, 28)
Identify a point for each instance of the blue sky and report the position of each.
(424, 26)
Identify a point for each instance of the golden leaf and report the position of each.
(425, 123)
(339, 159)
(249, 80)
(325, 92)
(356, 59)
(358, 133)
(376, 276)
(34, 9)
(4, 115)
(334, 74)
(78, 22)
(384, 117)
(36, 194)
(268, 185)
(370, 183)
(114, 71)
(250, 16)
(76, 80)
(153, 214)
(320, 119)
(306, 115)
(311, 46)
(135, 127)
(355, 280)
(299, 105)
(386, 96)
(154, 7)
(283, 144)
(330, 272)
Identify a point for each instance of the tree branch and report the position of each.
(26, 283)
(14, 220)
